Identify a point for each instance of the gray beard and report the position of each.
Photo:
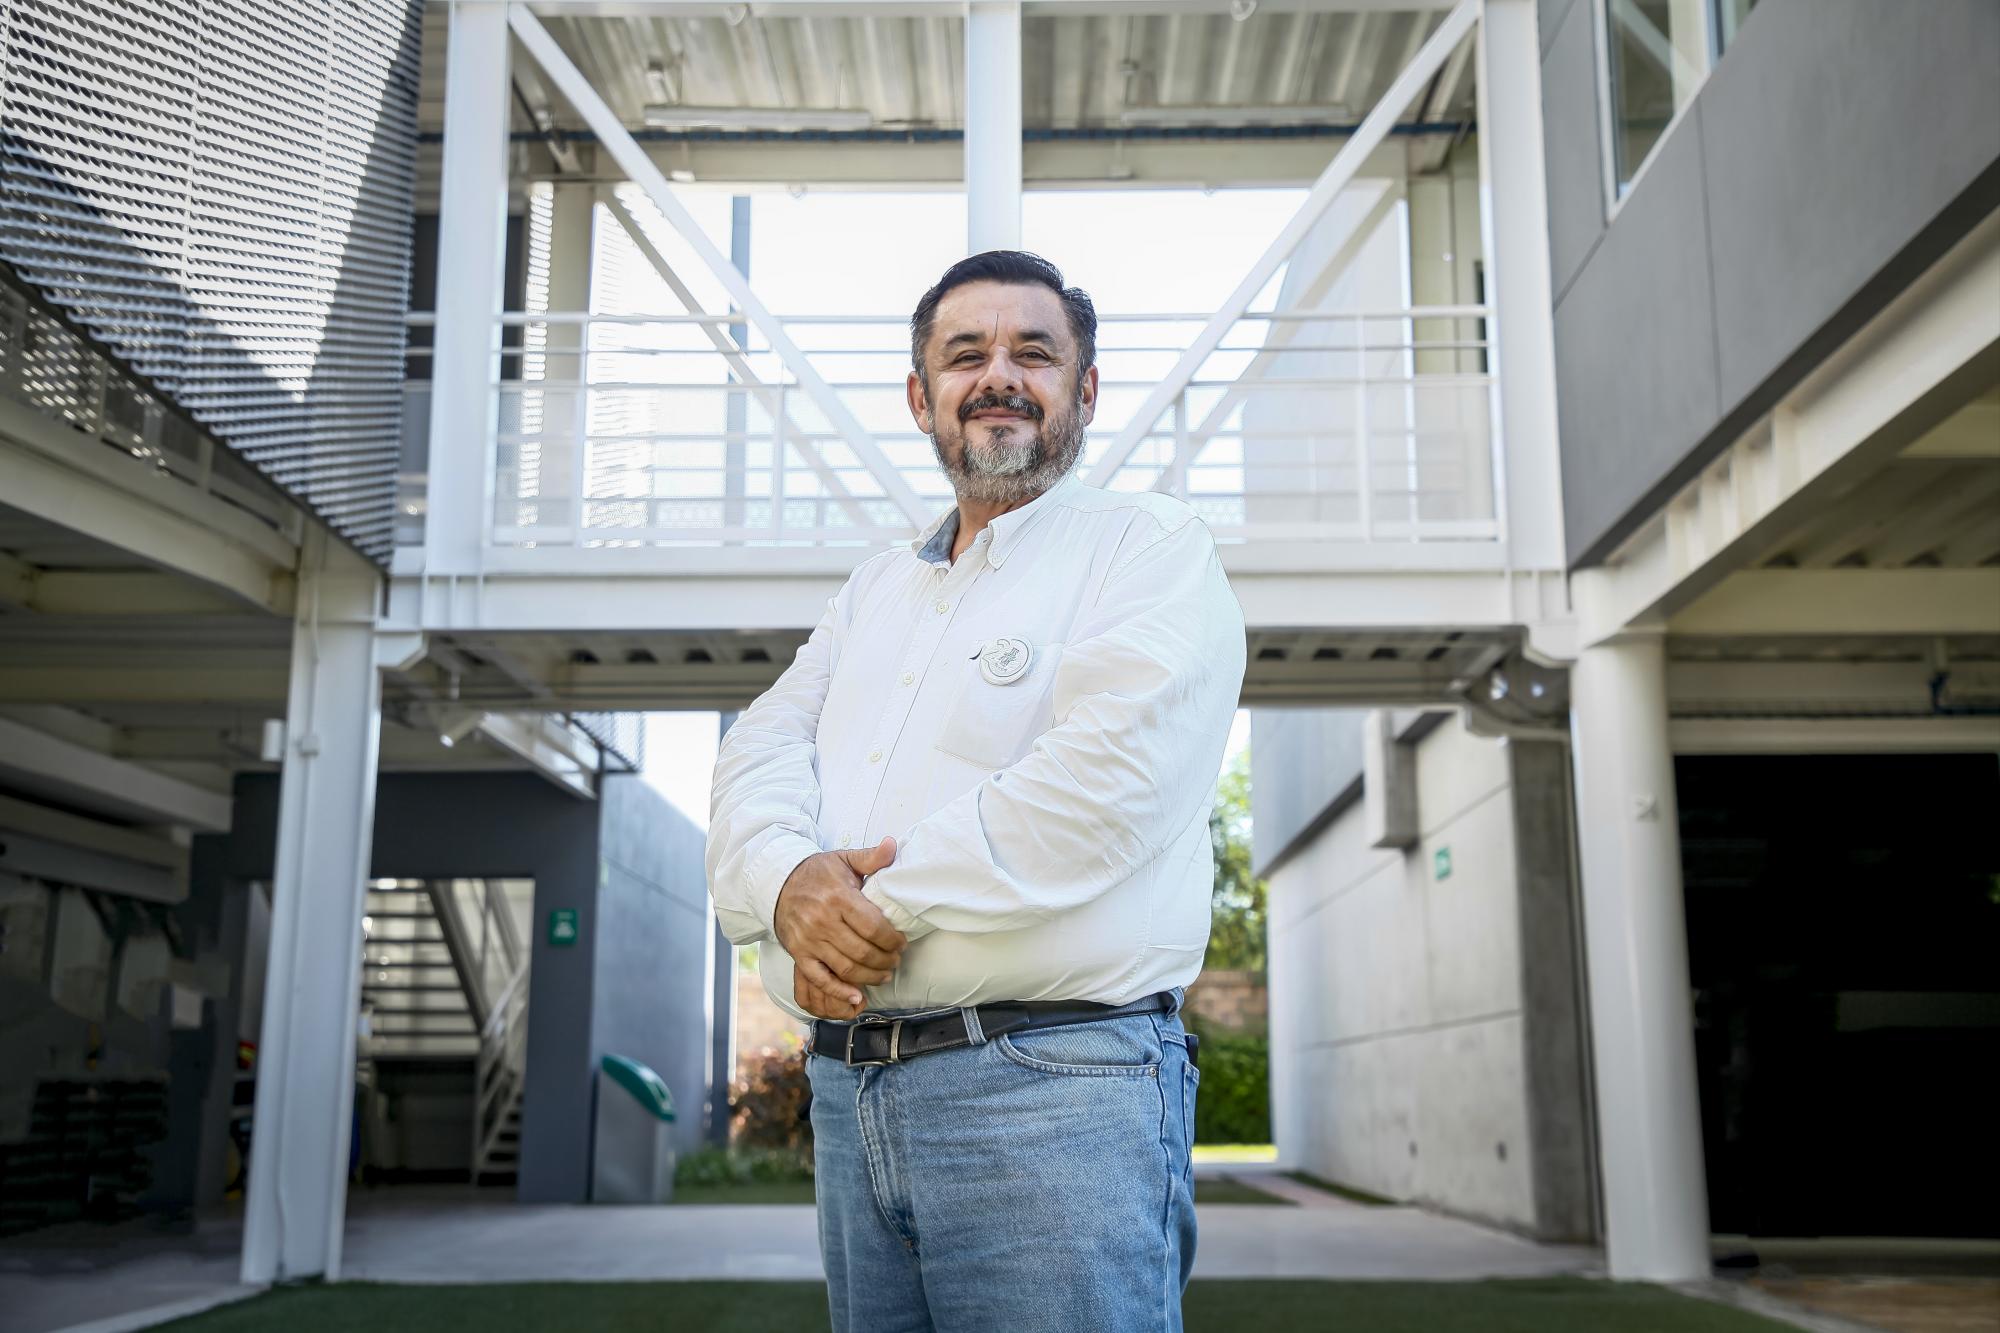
(1047, 461)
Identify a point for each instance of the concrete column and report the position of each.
(326, 819)
(1635, 930)
(1522, 327)
(472, 225)
(993, 125)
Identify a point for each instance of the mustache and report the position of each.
(1013, 403)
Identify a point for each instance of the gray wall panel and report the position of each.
(1572, 147)
(652, 945)
(1839, 147)
(1301, 762)
(1635, 344)
(493, 824)
(1549, 16)
(1832, 139)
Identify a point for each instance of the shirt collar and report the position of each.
(934, 543)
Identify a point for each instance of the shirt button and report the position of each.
(941, 604)
(846, 838)
(907, 678)
(874, 755)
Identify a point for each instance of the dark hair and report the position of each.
(1006, 266)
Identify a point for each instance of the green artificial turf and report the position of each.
(754, 1191)
(1229, 1189)
(1351, 1195)
(1554, 1305)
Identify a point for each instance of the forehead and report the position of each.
(1010, 307)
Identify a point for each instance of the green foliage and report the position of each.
(765, 1100)
(1233, 1104)
(742, 1166)
(1239, 903)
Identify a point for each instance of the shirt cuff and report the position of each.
(768, 873)
(913, 927)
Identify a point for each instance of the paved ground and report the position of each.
(451, 1235)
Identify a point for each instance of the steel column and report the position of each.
(326, 817)
(472, 219)
(993, 125)
(1641, 1008)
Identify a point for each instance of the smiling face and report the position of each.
(1004, 405)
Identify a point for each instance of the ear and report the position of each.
(920, 407)
(1089, 396)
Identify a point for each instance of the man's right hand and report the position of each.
(838, 940)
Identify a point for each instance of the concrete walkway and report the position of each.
(104, 1280)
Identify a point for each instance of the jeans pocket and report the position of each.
(1128, 1047)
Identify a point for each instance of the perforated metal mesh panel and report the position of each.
(220, 190)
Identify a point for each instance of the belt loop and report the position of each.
(973, 1030)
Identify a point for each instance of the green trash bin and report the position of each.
(633, 1158)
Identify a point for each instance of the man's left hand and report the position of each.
(820, 1002)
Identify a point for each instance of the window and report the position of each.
(1729, 15)
(1655, 55)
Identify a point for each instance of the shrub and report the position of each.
(743, 1166)
(765, 1101)
(1234, 1102)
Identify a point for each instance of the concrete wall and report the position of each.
(1305, 765)
(1838, 147)
(652, 956)
(1425, 1031)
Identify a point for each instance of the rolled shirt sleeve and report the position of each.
(764, 798)
(1145, 694)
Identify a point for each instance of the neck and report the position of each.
(973, 515)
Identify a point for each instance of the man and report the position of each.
(969, 825)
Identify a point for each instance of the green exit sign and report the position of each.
(1441, 863)
(562, 927)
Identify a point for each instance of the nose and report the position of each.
(1001, 375)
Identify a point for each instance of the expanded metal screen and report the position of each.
(221, 191)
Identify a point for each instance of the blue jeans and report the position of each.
(1037, 1182)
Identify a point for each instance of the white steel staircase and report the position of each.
(445, 977)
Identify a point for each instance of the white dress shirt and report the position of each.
(1052, 830)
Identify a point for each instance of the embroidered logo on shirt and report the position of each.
(1004, 661)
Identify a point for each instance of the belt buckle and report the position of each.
(895, 1040)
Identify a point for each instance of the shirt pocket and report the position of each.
(995, 725)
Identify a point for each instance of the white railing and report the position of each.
(1304, 425)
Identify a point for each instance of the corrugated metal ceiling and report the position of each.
(1078, 72)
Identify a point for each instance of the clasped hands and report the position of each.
(837, 939)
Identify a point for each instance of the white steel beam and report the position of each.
(1836, 735)
(89, 490)
(615, 139)
(1527, 479)
(34, 761)
(1846, 602)
(992, 125)
(739, 365)
(472, 217)
(297, 1201)
(1284, 334)
(1346, 164)
(550, 746)
(140, 683)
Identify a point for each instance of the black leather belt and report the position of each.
(882, 1039)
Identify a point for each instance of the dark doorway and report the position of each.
(1844, 936)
